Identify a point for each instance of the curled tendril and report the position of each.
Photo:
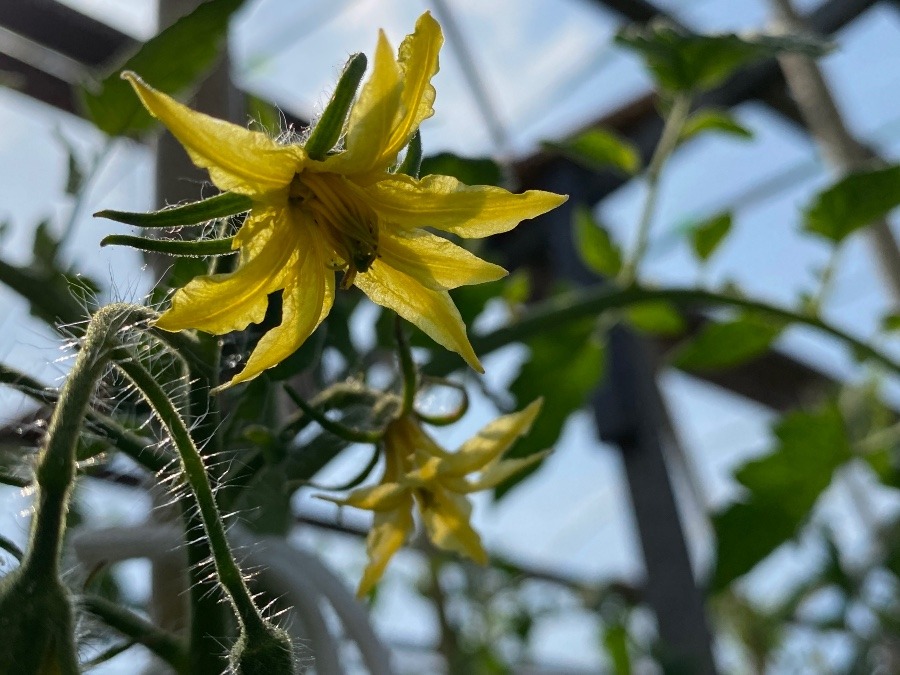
(451, 417)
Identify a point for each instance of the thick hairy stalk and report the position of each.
(36, 618)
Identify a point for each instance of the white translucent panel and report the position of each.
(137, 18)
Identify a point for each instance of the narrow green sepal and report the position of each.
(220, 206)
(172, 246)
(412, 163)
(326, 133)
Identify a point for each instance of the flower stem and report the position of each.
(35, 608)
(681, 108)
(407, 367)
(254, 628)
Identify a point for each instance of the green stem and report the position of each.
(407, 367)
(668, 141)
(227, 570)
(332, 426)
(56, 465)
(165, 645)
(577, 305)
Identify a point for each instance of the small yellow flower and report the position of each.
(346, 213)
(418, 472)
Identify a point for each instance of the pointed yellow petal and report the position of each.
(381, 497)
(306, 301)
(499, 472)
(238, 159)
(432, 311)
(435, 262)
(446, 519)
(444, 203)
(372, 116)
(419, 63)
(221, 303)
(491, 442)
(387, 535)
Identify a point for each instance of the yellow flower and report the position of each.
(346, 213)
(418, 472)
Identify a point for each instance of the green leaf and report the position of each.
(469, 170)
(198, 247)
(853, 202)
(718, 121)
(45, 246)
(890, 323)
(599, 149)
(569, 356)
(724, 345)
(172, 61)
(219, 206)
(682, 61)
(595, 248)
(782, 489)
(708, 234)
(656, 317)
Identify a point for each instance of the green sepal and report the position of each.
(327, 131)
(220, 206)
(193, 248)
(412, 163)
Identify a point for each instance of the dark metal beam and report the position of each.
(65, 30)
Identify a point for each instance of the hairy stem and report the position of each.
(227, 570)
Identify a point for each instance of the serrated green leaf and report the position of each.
(682, 61)
(172, 61)
(572, 359)
(854, 202)
(600, 149)
(724, 345)
(656, 317)
(469, 170)
(708, 234)
(718, 121)
(782, 489)
(594, 245)
(219, 206)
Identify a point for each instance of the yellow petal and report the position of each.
(381, 497)
(306, 301)
(387, 535)
(499, 472)
(419, 63)
(444, 203)
(435, 262)
(372, 116)
(221, 303)
(491, 442)
(432, 311)
(446, 519)
(238, 159)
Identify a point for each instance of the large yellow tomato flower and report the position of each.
(345, 213)
(418, 472)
